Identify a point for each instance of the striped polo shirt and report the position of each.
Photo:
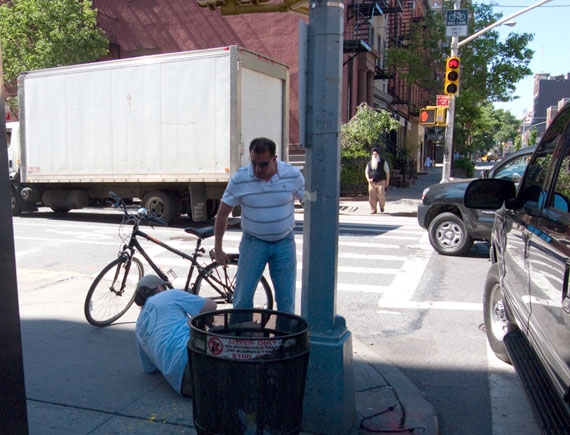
(268, 209)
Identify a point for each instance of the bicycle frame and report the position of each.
(134, 244)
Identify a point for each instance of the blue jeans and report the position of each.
(281, 256)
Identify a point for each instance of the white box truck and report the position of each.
(167, 129)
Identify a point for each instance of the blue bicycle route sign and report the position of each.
(456, 22)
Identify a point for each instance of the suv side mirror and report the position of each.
(489, 194)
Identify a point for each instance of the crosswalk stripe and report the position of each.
(429, 305)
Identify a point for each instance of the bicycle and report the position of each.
(112, 292)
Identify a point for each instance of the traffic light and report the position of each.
(451, 86)
(433, 115)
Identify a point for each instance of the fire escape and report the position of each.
(406, 97)
(358, 30)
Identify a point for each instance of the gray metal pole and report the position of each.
(447, 154)
(329, 398)
(13, 413)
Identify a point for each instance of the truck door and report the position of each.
(549, 263)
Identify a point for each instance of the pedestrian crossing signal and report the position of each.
(433, 115)
(427, 116)
(451, 86)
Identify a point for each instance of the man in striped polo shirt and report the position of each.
(266, 190)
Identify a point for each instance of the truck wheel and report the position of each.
(15, 202)
(497, 325)
(448, 236)
(163, 205)
(212, 207)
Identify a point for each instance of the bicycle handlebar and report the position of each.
(142, 214)
(154, 219)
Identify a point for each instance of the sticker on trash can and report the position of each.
(241, 348)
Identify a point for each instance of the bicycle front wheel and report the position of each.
(218, 282)
(113, 291)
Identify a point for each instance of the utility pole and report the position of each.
(447, 153)
(13, 412)
(329, 405)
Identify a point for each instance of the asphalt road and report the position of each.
(419, 310)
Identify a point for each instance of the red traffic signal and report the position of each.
(451, 86)
(453, 63)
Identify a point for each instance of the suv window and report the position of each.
(560, 200)
(538, 169)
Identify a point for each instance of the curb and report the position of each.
(387, 401)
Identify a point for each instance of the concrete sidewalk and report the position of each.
(400, 201)
(86, 380)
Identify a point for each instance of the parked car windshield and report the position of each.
(513, 170)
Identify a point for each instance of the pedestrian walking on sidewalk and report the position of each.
(266, 190)
(162, 330)
(378, 176)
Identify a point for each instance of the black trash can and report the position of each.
(248, 371)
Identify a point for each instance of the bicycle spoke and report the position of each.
(112, 293)
(218, 282)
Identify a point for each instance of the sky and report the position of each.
(550, 24)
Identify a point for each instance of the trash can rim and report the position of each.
(304, 329)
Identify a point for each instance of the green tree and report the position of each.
(366, 129)
(482, 130)
(39, 34)
(508, 126)
(532, 137)
(414, 57)
(490, 67)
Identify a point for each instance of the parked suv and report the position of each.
(453, 227)
(527, 293)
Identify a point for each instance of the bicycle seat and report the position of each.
(202, 233)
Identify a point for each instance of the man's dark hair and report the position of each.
(261, 144)
(143, 293)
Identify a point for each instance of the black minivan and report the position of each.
(527, 293)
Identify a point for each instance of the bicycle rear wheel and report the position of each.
(113, 291)
(221, 282)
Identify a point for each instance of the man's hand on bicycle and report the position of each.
(222, 257)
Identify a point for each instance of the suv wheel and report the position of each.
(497, 324)
(448, 236)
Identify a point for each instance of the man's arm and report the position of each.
(147, 365)
(219, 231)
(387, 171)
(367, 173)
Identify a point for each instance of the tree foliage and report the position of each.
(39, 34)
(490, 67)
(493, 128)
(366, 129)
(414, 57)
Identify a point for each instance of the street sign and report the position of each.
(442, 100)
(456, 21)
